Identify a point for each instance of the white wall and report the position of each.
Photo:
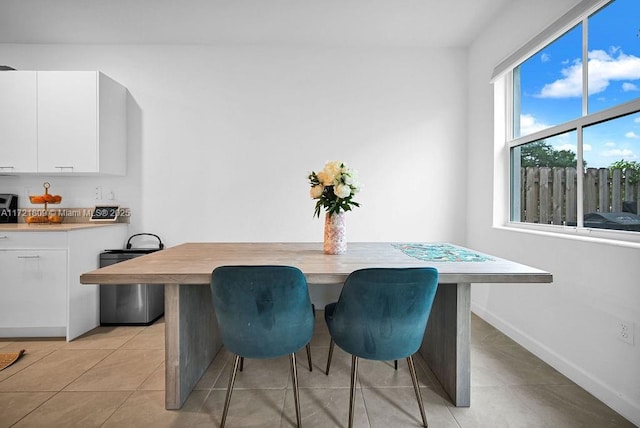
(572, 323)
(222, 138)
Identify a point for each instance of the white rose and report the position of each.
(342, 190)
(351, 177)
(316, 191)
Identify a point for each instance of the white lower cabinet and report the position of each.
(40, 290)
(34, 292)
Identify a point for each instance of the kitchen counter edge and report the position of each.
(36, 227)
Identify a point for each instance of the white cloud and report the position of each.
(570, 147)
(629, 87)
(603, 68)
(619, 153)
(631, 134)
(573, 147)
(545, 57)
(610, 144)
(637, 119)
(569, 86)
(529, 124)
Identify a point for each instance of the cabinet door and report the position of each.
(67, 121)
(18, 127)
(34, 291)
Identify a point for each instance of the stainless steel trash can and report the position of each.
(131, 304)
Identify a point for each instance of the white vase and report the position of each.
(335, 233)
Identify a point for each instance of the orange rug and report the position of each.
(9, 358)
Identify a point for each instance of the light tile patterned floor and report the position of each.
(114, 377)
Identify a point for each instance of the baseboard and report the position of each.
(594, 386)
(24, 332)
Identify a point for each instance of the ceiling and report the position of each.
(331, 22)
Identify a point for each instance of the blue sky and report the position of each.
(551, 82)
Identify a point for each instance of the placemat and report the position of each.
(440, 253)
(7, 359)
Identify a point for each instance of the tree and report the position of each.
(631, 168)
(540, 154)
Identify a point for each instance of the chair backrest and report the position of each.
(262, 311)
(382, 313)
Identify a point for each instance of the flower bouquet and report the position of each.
(334, 188)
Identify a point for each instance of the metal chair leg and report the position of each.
(352, 397)
(296, 396)
(232, 379)
(331, 344)
(416, 387)
(395, 364)
(309, 357)
(241, 363)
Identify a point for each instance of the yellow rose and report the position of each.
(332, 171)
(316, 191)
(324, 178)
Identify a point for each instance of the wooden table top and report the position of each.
(192, 263)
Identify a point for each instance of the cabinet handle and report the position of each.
(64, 167)
(7, 167)
(4, 237)
(28, 257)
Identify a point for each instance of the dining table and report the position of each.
(192, 338)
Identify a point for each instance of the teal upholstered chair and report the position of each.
(382, 314)
(313, 311)
(262, 312)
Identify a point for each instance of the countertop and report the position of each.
(62, 227)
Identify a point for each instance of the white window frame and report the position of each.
(503, 131)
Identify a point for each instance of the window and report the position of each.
(574, 133)
(540, 99)
(614, 55)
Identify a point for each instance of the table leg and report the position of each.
(446, 347)
(192, 339)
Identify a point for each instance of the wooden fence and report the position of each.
(549, 195)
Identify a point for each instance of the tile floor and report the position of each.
(114, 377)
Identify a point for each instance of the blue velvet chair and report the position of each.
(382, 314)
(313, 311)
(262, 312)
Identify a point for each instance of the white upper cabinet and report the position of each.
(18, 126)
(67, 121)
(80, 124)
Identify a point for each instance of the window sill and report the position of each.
(606, 237)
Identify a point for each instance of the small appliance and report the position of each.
(8, 208)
